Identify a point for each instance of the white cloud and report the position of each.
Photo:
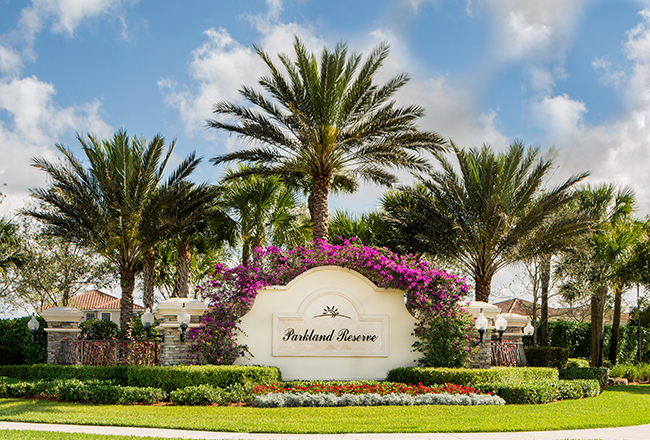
(608, 74)
(10, 61)
(38, 123)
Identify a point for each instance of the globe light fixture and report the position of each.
(501, 324)
(33, 326)
(528, 331)
(147, 320)
(184, 321)
(481, 325)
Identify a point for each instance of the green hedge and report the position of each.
(553, 357)
(469, 377)
(172, 378)
(16, 345)
(542, 391)
(74, 390)
(599, 374)
(114, 373)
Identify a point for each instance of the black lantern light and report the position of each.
(184, 321)
(33, 326)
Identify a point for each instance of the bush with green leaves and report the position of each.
(467, 376)
(542, 391)
(98, 329)
(577, 363)
(632, 372)
(114, 373)
(197, 395)
(222, 376)
(104, 393)
(16, 346)
(599, 374)
(553, 357)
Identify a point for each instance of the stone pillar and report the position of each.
(172, 350)
(482, 358)
(515, 333)
(62, 325)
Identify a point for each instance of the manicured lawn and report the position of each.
(616, 406)
(43, 435)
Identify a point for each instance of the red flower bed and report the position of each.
(381, 388)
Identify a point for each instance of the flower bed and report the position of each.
(379, 388)
(278, 400)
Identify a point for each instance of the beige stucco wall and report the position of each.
(361, 308)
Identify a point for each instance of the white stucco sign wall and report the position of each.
(329, 323)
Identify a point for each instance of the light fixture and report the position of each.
(33, 326)
(528, 331)
(147, 320)
(481, 325)
(501, 324)
(184, 321)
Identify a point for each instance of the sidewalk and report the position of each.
(627, 433)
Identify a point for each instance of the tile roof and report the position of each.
(580, 313)
(96, 300)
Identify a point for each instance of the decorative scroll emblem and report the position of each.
(332, 312)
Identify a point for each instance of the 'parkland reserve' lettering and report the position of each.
(343, 335)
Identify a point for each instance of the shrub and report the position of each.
(542, 391)
(577, 363)
(98, 329)
(16, 347)
(554, 357)
(172, 378)
(197, 395)
(114, 373)
(99, 392)
(468, 377)
(633, 373)
(275, 400)
(599, 374)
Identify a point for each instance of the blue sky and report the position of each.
(573, 74)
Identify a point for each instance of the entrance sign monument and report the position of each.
(329, 323)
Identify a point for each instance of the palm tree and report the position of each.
(490, 214)
(327, 125)
(265, 210)
(107, 205)
(10, 255)
(368, 228)
(600, 263)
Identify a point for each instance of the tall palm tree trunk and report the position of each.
(127, 280)
(597, 326)
(545, 278)
(483, 286)
(182, 287)
(616, 325)
(149, 276)
(318, 207)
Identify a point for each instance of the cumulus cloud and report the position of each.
(38, 122)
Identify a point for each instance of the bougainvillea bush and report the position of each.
(432, 296)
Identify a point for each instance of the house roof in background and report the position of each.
(97, 300)
(525, 308)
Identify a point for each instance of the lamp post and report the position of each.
(481, 325)
(501, 324)
(33, 326)
(147, 322)
(184, 321)
(528, 331)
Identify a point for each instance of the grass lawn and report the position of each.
(43, 435)
(616, 406)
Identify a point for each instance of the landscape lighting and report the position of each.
(481, 325)
(501, 324)
(184, 321)
(528, 331)
(147, 320)
(33, 326)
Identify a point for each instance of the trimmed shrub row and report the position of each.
(469, 377)
(553, 357)
(542, 391)
(599, 374)
(165, 378)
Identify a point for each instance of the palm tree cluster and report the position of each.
(320, 125)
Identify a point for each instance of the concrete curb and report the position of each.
(641, 432)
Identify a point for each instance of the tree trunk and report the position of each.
(149, 275)
(483, 286)
(182, 288)
(597, 326)
(127, 280)
(318, 207)
(545, 278)
(245, 252)
(616, 325)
